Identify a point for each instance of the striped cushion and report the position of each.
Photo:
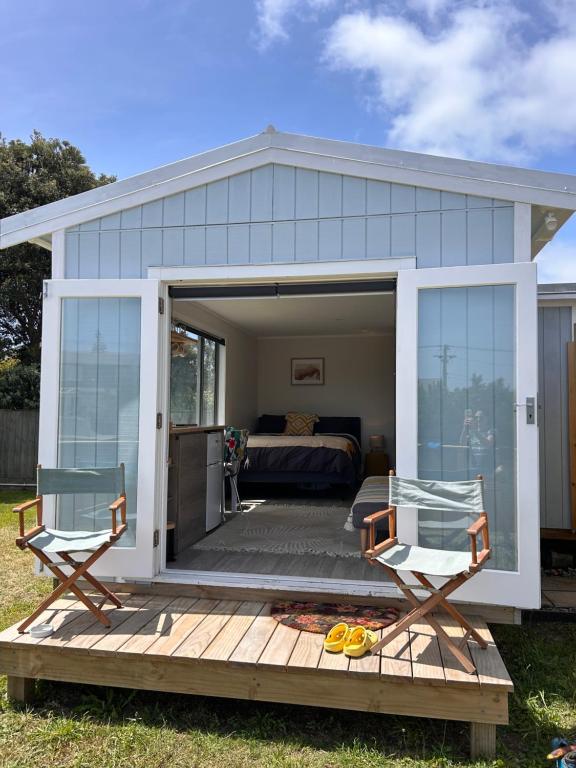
(372, 497)
(300, 423)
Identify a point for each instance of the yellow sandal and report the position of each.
(359, 641)
(336, 638)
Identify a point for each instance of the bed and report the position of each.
(331, 456)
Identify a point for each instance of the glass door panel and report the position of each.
(466, 359)
(99, 403)
(466, 414)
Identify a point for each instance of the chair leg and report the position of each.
(93, 580)
(68, 582)
(421, 610)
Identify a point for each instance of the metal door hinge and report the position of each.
(156, 539)
(45, 288)
(160, 305)
(158, 421)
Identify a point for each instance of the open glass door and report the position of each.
(466, 387)
(98, 406)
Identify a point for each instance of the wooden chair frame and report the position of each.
(422, 609)
(79, 568)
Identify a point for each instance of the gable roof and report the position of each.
(541, 188)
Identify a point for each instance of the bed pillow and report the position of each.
(300, 423)
(271, 424)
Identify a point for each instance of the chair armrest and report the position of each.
(119, 504)
(23, 540)
(21, 508)
(375, 516)
(371, 521)
(369, 554)
(479, 527)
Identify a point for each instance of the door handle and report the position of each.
(530, 406)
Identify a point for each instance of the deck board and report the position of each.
(197, 641)
(427, 664)
(234, 648)
(231, 634)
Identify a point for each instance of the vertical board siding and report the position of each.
(279, 213)
(18, 447)
(554, 332)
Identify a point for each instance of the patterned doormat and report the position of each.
(320, 617)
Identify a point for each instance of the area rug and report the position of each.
(291, 529)
(320, 617)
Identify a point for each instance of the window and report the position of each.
(193, 376)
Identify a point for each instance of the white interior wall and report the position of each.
(240, 361)
(359, 380)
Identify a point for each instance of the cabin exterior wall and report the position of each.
(280, 214)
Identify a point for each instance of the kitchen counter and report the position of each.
(195, 429)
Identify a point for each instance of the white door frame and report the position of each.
(520, 588)
(138, 562)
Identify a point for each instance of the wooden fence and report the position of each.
(18, 447)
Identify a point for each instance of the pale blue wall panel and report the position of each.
(89, 255)
(402, 198)
(216, 245)
(353, 196)
(503, 235)
(260, 243)
(239, 244)
(90, 226)
(195, 206)
(306, 240)
(354, 238)
(110, 222)
(330, 240)
(110, 254)
(329, 195)
(284, 193)
(304, 216)
(377, 197)
(428, 240)
(378, 237)
(479, 202)
(239, 198)
(403, 236)
(152, 214)
(151, 248)
(217, 202)
(452, 200)
(306, 194)
(427, 199)
(479, 236)
(174, 210)
(262, 194)
(173, 246)
(130, 253)
(284, 241)
(195, 245)
(71, 269)
(453, 238)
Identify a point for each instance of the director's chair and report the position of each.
(47, 542)
(462, 497)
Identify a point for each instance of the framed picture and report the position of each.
(306, 371)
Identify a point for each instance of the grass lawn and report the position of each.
(88, 727)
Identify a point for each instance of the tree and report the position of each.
(32, 174)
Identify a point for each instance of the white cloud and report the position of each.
(483, 80)
(273, 16)
(557, 260)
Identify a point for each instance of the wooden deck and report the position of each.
(234, 648)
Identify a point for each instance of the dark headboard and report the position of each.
(340, 425)
(348, 425)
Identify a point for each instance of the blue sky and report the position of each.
(140, 83)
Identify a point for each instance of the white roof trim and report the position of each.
(453, 175)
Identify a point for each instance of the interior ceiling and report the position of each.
(308, 316)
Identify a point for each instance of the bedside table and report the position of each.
(376, 463)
